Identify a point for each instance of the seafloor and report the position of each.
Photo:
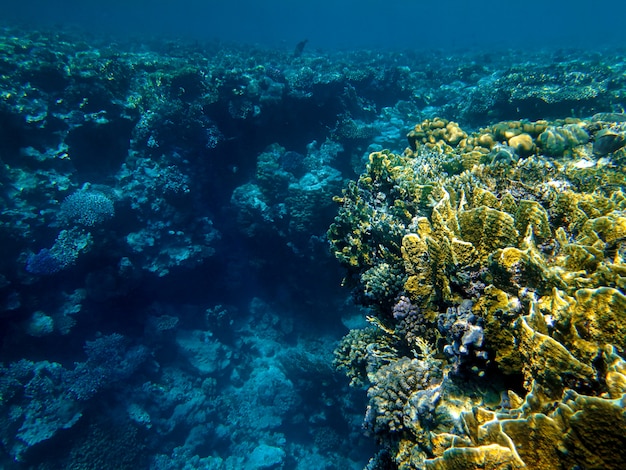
(188, 231)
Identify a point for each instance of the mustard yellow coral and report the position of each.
(512, 244)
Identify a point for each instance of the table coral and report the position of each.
(511, 244)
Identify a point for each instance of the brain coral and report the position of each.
(514, 235)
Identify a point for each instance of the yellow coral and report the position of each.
(548, 362)
(487, 229)
(488, 457)
(599, 316)
(538, 245)
(420, 283)
(523, 144)
(532, 214)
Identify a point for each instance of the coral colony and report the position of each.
(497, 290)
(177, 220)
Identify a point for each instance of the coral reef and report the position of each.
(291, 194)
(168, 299)
(44, 397)
(505, 343)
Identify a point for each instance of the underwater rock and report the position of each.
(206, 354)
(266, 457)
(39, 324)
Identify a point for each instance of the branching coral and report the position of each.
(86, 207)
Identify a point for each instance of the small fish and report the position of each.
(608, 141)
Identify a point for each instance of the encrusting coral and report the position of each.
(493, 263)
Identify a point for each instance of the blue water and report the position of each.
(345, 23)
(167, 295)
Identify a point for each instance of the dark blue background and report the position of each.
(328, 24)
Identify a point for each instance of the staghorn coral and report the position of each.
(512, 241)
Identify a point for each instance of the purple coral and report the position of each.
(64, 253)
(403, 307)
(43, 263)
(463, 331)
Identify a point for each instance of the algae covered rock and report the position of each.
(500, 260)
